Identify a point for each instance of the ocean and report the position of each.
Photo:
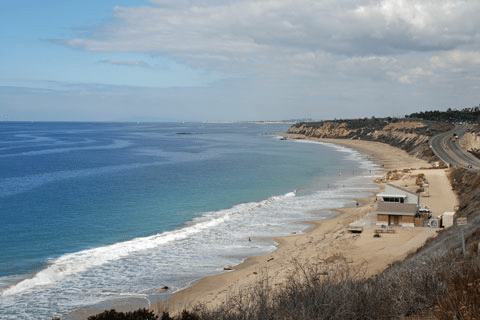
(95, 215)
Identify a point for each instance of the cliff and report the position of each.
(471, 142)
(413, 136)
(409, 135)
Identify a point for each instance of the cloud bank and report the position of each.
(268, 59)
(404, 39)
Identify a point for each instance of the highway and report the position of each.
(451, 153)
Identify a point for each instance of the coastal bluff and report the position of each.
(412, 136)
(409, 135)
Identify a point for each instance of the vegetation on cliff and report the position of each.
(409, 135)
(412, 136)
(471, 115)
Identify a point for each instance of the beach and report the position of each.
(330, 239)
(150, 212)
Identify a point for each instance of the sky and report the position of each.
(236, 60)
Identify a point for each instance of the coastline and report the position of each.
(214, 290)
(327, 239)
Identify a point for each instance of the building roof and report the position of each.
(402, 189)
(400, 209)
(383, 194)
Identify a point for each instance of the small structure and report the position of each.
(424, 190)
(447, 219)
(423, 215)
(384, 230)
(396, 214)
(435, 222)
(355, 229)
(397, 195)
(397, 206)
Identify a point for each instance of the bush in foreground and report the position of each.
(333, 290)
(462, 299)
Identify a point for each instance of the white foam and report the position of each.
(176, 259)
(352, 154)
(75, 263)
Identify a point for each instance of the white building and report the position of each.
(396, 207)
(398, 195)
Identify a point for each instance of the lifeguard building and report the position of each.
(397, 206)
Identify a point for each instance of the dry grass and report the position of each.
(462, 298)
(442, 287)
(332, 290)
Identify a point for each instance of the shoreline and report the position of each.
(326, 239)
(214, 290)
(323, 240)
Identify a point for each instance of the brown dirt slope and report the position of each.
(409, 135)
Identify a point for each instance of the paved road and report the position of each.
(450, 152)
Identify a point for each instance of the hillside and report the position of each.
(471, 141)
(409, 135)
(412, 136)
(471, 115)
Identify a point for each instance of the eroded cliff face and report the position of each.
(471, 141)
(411, 136)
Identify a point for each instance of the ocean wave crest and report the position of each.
(75, 263)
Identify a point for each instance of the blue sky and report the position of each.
(227, 60)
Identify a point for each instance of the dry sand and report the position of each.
(330, 238)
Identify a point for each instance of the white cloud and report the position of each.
(414, 74)
(422, 25)
(443, 67)
(456, 58)
(234, 29)
(274, 41)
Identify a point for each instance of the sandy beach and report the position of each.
(331, 238)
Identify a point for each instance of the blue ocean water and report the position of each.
(92, 214)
